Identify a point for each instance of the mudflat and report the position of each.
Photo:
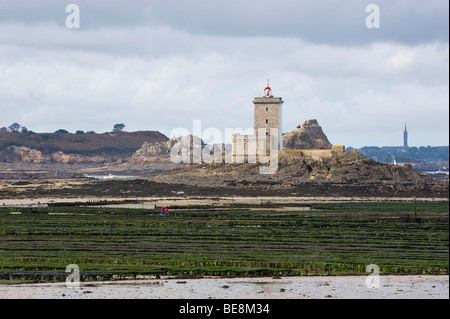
(309, 287)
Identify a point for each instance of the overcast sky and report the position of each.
(159, 65)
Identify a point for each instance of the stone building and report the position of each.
(267, 131)
(266, 141)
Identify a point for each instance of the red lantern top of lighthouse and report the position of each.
(267, 90)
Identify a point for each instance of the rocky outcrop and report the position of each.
(347, 172)
(166, 151)
(151, 153)
(308, 136)
(349, 167)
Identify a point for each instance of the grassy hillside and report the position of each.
(89, 144)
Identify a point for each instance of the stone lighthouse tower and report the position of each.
(267, 119)
(266, 140)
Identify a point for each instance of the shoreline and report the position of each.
(304, 287)
(207, 200)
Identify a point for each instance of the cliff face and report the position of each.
(308, 136)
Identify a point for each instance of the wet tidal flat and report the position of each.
(333, 238)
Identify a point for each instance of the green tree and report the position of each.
(118, 128)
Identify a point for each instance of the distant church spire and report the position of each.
(405, 138)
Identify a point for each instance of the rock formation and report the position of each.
(350, 167)
(161, 151)
(151, 153)
(348, 174)
(308, 136)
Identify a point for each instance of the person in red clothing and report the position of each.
(162, 210)
(167, 211)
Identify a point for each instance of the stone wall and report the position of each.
(338, 148)
(247, 148)
(315, 154)
(267, 126)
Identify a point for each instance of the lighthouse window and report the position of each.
(267, 109)
(267, 121)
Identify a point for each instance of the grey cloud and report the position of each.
(161, 64)
(337, 22)
(345, 88)
(325, 21)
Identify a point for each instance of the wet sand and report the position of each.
(150, 202)
(348, 287)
